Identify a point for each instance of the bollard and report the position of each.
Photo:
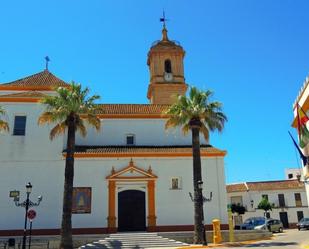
(231, 225)
(216, 231)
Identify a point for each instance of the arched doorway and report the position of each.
(118, 182)
(131, 211)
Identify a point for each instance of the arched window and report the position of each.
(168, 66)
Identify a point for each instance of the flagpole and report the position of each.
(304, 158)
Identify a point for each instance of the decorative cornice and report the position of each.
(117, 175)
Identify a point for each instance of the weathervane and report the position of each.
(163, 19)
(46, 62)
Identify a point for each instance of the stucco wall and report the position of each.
(173, 207)
(35, 145)
(146, 131)
(34, 158)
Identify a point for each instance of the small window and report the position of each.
(130, 140)
(175, 183)
(298, 199)
(168, 66)
(19, 126)
(290, 176)
(236, 200)
(300, 215)
(281, 200)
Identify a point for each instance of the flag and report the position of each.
(303, 131)
(302, 156)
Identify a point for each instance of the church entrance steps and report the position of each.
(133, 241)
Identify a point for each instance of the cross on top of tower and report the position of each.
(47, 60)
(163, 19)
(164, 30)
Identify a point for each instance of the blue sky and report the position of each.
(253, 54)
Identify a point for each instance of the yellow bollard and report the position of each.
(217, 238)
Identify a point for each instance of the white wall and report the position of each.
(306, 173)
(35, 145)
(34, 158)
(173, 207)
(47, 180)
(293, 171)
(146, 131)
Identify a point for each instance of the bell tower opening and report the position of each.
(168, 66)
(165, 61)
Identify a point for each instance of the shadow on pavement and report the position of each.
(269, 244)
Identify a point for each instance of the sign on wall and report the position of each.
(14, 193)
(81, 200)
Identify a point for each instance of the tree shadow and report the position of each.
(270, 244)
(99, 245)
(115, 244)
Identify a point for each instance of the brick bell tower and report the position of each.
(165, 61)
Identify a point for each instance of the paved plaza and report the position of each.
(289, 239)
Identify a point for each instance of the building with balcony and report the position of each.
(288, 198)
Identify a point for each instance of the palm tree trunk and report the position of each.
(199, 229)
(66, 225)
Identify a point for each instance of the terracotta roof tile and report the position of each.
(274, 185)
(44, 79)
(237, 187)
(131, 150)
(265, 185)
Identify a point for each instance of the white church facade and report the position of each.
(131, 176)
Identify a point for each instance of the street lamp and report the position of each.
(252, 202)
(201, 199)
(26, 204)
(200, 184)
(29, 188)
(200, 187)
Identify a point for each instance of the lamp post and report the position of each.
(252, 202)
(26, 204)
(201, 199)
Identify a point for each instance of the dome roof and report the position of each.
(165, 45)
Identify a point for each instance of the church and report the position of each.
(131, 176)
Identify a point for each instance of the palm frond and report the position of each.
(196, 106)
(59, 129)
(71, 101)
(205, 131)
(2, 111)
(185, 129)
(81, 128)
(4, 126)
(94, 121)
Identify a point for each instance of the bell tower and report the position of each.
(165, 61)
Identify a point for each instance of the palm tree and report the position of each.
(4, 126)
(68, 109)
(197, 114)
